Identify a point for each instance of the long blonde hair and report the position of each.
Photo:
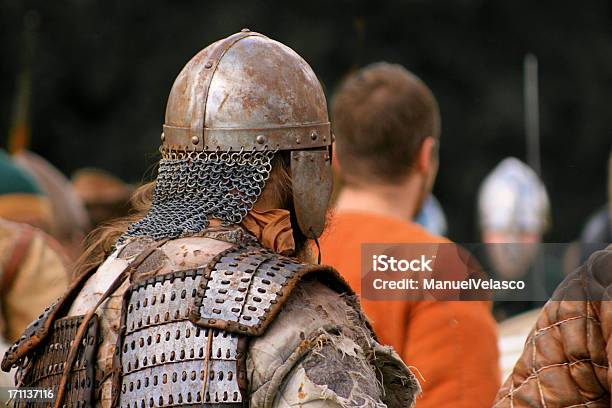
(100, 242)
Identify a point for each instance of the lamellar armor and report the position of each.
(189, 313)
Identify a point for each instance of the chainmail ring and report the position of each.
(194, 187)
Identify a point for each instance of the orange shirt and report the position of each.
(453, 345)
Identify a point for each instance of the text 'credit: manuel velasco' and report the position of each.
(441, 271)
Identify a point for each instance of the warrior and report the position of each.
(33, 266)
(514, 215)
(387, 128)
(208, 298)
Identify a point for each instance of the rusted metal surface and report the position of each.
(165, 360)
(246, 92)
(236, 139)
(311, 176)
(48, 363)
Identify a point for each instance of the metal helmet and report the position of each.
(231, 108)
(512, 198)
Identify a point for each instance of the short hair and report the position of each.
(381, 115)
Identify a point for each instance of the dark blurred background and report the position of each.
(98, 74)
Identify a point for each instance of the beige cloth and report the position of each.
(39, 280)
(298, 363)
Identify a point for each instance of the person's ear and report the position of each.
(426, 155)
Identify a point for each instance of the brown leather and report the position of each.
(565, 360)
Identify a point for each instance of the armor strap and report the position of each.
(244, 288)
(84, 324)
(44, 366)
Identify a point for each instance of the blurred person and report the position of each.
(565, 360)
(105, 196)
(513, 204)
(32, 274)
(431, 217)
(597, 231)
(21, 199)
(191, 298)
(387, 127)
(33, 269)
(514, 213)
(70, 221)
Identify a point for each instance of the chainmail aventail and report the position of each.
(194, 187)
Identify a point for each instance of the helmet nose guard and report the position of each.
(249, 93)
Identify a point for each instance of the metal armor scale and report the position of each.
(173, 336)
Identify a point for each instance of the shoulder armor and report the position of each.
(244, 288)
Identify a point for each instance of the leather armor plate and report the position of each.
(33, 334)
(47, 363)
(245, 289)
(163, 354)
